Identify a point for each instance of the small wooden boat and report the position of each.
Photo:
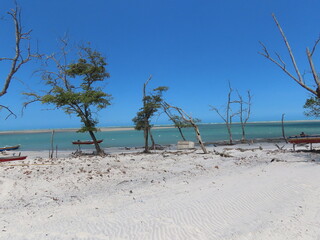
(78, 142)
(12, 158)
(9, 148)
(304, 139)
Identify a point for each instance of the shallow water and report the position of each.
(133, 138)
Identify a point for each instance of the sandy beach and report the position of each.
(256, 191)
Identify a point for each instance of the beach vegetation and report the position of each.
(312, 107)
(151, 103)
(76, 88)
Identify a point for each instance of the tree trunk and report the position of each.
(146, 138)
(180, 130)
(243, 133)
(243, 138)
(199, 138)
(229, 130)
(230, 134)
(96, 144)
(282, 124)
(52, 149)
(153, 146)
(146, 121)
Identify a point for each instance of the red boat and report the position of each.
(12, 158)
(304, 139)
(78, 142)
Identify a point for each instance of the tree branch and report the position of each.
(18, 60)
(313, 70)
(301, 83)
(315, 46)
(299, 79)
(217, 111)
(288, 47)
(9, 110)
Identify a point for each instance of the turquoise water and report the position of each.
(132, 138)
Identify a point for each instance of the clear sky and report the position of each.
(192, 46)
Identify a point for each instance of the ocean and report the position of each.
(164, 136)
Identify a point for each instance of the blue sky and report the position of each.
(192, 46)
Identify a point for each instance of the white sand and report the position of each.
(167, 195)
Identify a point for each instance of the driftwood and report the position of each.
(223, 154)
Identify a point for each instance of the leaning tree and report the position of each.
(187, 119)
(76, 87)
(312, 103)
(20, 56)
(178, 121)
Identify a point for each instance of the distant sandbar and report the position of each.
(103, 129)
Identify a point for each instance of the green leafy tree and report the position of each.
(312, 107)
(151, 105)
(75, 88)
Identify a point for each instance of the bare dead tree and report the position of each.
(228, 116)
(244, 112)
(21, 55)
(297, 77)
(189, 119)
